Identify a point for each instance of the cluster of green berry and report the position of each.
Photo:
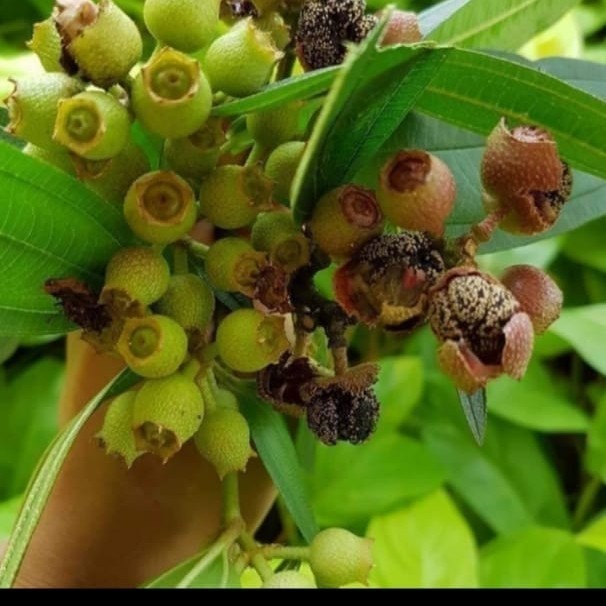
(168, 321)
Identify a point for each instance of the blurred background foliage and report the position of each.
(527, 509)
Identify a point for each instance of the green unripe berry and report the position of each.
(344, 219)
(171, 96)
(105, 47)
(289, 579)
(160, 207)
(281, 167)
(33, 106)
(338, 557)
(189, 301)
(248, 340)
(232, 196)
(116, 435)
(240, 62)
(142, 274)
(224, 441)
(187, 25)
(233, 265)
(112, 178)
(197, 155)
(153, 347)
(167, 412)
(46, 43)
(226, 399)
(59, 158)
(93, 125)
(276, 234)
(272, 128)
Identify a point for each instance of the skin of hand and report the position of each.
(107, 526)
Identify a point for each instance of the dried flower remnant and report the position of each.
(386, 282)
(482, 328)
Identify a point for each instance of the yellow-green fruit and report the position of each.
(233, 265)
(277, 234)
(141, 273)
(112, 178)
(171, 96)
(273, 23)
(153, 347)
(33, 106)
(248, 340)
(226, 399)
(224, 440)
(344, 219)
(197, 155)
(167, 413)
(232, 196)
(240, 62)
(289, 579)
(281, 167)
(160, 207)
(338, 557)
(94, 125)
(108, 48)
(186, 25)
(272, 128)
(116, 435)
(46, 43)
(189, 301)
(59, 158)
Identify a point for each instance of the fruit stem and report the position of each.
(227, 538)
(340, 360)
(196, 248)
(282, 552)
(180, 259)
(231, 499)
(256, 558)
(191, 369)
(210, 402)
(257, 154)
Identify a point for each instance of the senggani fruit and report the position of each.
(289, 579)
(187, 25)
(116, 435)
(141, 274)
(153, 347)
(224, 440)
(248, 340)
(167, 412)
(281, 167)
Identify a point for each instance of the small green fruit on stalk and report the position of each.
(240, 62)
(141, 274)
(160, 207)
(153, 347)
(167, 413)
(187, 25)
(93, 125)
(33, 107)
(171, 96)
(281, 167)
(103, 42)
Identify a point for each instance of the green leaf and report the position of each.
(8, 515)
(594, 535)
(433, 17)
(350, 484)
(399, 389)
(499, 24)
(219, 575)
(278, 94)
(28, 409)
(536, 403)
(425, 545)
(506, 495)
(587, 246)
(41, 486)
(538, 558)
(52, 227)
(595, 454)
(585, 329)
(476, 412)
(277, 451)
(474, 90)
